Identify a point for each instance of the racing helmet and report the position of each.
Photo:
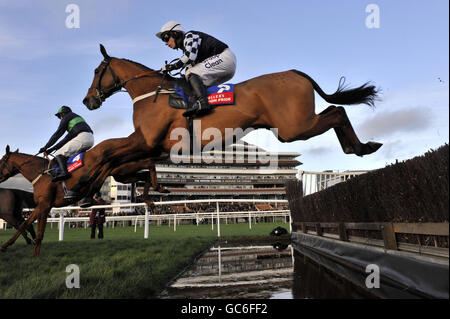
(171, 28)
(62, 110)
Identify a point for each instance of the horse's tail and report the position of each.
(366, 94)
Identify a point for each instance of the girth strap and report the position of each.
(144, 96)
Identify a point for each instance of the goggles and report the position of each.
(165, 36)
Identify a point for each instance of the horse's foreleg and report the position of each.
(156, 186)
(30, 229)
(21, 228)
(24, 233)
(42, 222)
(129, 173)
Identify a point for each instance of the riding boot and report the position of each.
(86, 202)
(63, 173)
(202, 106)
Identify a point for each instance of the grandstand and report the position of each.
(241, 171)
(238, 172)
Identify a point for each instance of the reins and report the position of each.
(138, 76)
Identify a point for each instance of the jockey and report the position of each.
(79, 138)
(208, 62)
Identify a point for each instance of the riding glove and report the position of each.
(168, 68)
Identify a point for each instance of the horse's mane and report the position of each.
(139, 64)
(31, 157)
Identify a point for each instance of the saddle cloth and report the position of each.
(74, 163)
(222, 94)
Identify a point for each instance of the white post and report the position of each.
(250, 219)
(220, 264)
(290, 223)
(212, 221)
(146, 223)
(61, 226)
(135, 224)
(175, 222)
(218, 220)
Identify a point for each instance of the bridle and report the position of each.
(3, 166)
(103, 94)
(10, 172)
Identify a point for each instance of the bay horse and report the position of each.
(12, 202)
(283, 100)
(111, 157)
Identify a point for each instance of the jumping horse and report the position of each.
(113, 157)
(12, 202)
(282, 100)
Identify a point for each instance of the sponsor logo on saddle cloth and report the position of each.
(222, 94)
(74, 162)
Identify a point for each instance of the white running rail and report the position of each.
(175, 218)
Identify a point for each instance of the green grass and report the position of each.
(122, 265)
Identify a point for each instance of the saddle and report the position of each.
(73, 163)
(218, 95)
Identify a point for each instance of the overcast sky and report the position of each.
(403, 50)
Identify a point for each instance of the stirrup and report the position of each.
(204, 111)
(191, 111)
(71, 195)
(60, 177)
(85, 202)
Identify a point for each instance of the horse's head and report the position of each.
(104, 84)
(6, 168)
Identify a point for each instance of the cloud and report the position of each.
(318, 151)
(390, 149)
(107, 124)
(411, 120)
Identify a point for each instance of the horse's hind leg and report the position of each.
(336, 118)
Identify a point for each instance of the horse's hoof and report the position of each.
(163, 190)
(371, 147)
(150, 203)
(349, 150)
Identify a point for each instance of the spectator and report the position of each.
(97, 217)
